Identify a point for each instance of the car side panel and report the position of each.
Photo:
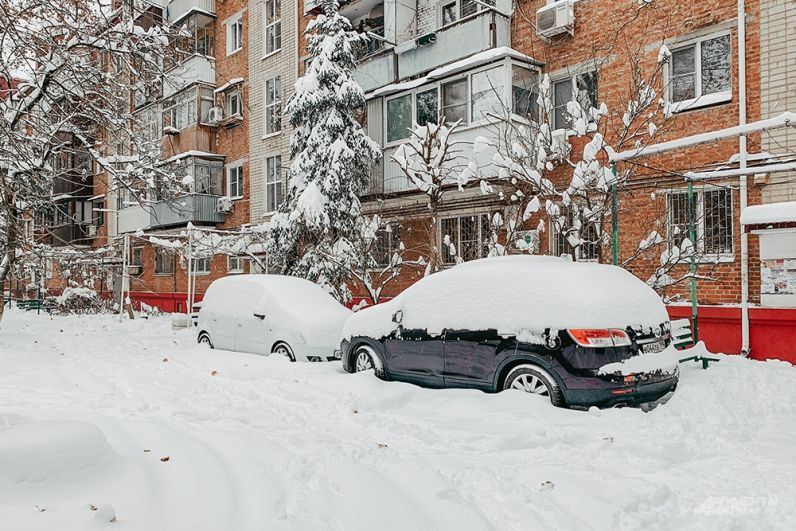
(471, 357)
(416, 357)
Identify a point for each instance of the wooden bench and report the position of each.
(35, 304)
(682, 338)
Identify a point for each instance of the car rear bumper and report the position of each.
(608, 394)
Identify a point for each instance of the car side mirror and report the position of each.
(398, 316)
(259, 315)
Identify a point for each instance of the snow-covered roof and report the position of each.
(517, 295)
(487, 56)
(194, 153)
(770, 213)
(230, 83)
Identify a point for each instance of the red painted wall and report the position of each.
(772, 331)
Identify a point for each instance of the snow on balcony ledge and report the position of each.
(773, 213)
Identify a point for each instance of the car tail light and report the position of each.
(599, 337)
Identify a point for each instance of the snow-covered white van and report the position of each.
(271, 314)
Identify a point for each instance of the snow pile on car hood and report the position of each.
(517, 295)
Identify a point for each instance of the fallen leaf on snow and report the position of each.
(213, 373)
(380, 445)
(164, 459)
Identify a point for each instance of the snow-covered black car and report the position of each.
(581, 334)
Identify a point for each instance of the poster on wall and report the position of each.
(778, 276)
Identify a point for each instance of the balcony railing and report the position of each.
(196, 208)
(461, 39)
(194, 69)
(177, 9)
(132, 219)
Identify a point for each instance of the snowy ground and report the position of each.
(89, 410)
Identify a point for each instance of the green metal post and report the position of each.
(614, 219)
(692, 237)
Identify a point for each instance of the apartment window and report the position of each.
(273, 26)
(180, 110)
(234, 103)
(273, 183)
(235, 180)
(487, 93)
(273, 105)
(468, 237)
(581, 89)
(454, 101)
(571, 226)
(137, 256)
(524, 93)
(701, 69)
(164, 262)
(235, 264)
(451, 11)
(234, 34)
(426, 107)
(712, 217)
(386, 244)
(201, 266)
(98, 213)
(399, 118)
(148, 124)
(208, 175)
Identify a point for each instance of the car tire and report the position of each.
(283, 349)
(531, 379)
(204, 339)
(363, 359)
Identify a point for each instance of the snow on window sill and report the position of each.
(164, 274)
(201, 273)
(700, 102)
(233, 52)
(235, 271)
(271, 135)
(271, 54)
(707, 259)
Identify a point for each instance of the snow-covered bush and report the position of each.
(78, 300)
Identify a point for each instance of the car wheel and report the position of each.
(204, 339)
(283, 349)
(532, 380)
(363, 359)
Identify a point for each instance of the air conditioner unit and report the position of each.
(91, 231)
(215, 115)
(224, 204)
(555, 19)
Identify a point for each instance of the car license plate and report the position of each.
(653, 348)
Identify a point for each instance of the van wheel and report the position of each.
(283, 349)
(532, 380)
(204, 339)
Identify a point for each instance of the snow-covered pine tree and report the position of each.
(312, 233)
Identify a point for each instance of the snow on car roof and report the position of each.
(517, 295)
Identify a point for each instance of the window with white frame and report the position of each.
(234, 28)
(427, 106)
(574, 235)
(235, 264)
(455, 101)
(273, 183)
(711, 214)
(235, 180)
(449, 11)
(581, 89)
(701, 70)
(148, 124)
(399, 118)
(273, 105)
(164, 262)
(180, 110)
(234, 102)
(273, 26)
(464, 237)
(524, 92)
(201, 266)
(487, 89)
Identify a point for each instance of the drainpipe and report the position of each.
(742, 165)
